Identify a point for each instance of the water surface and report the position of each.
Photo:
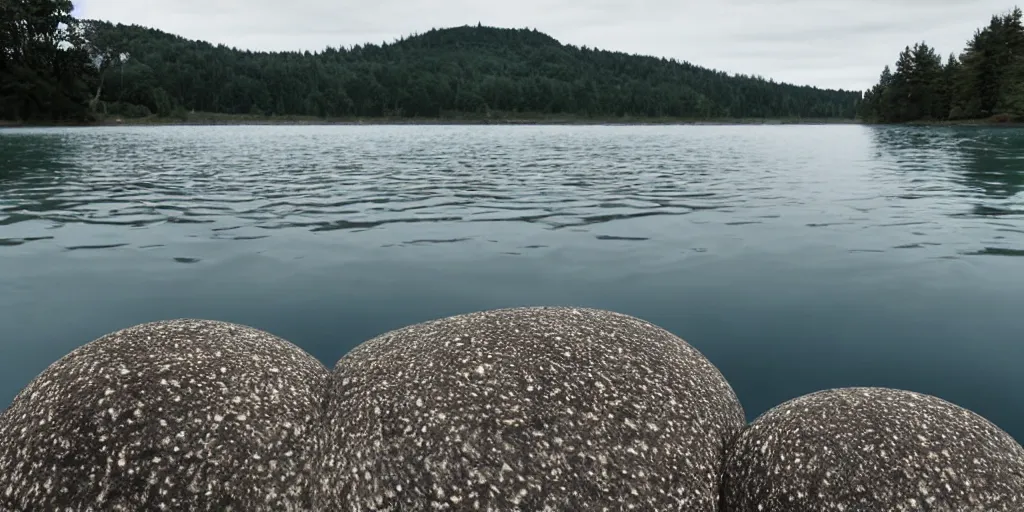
(796, 258)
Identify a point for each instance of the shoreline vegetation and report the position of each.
(985, 81)
(216, 119)
(56, 70)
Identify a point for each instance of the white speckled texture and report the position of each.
(528, 409)
(177, 415)
(873, 449)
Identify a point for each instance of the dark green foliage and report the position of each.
(475, 70)
(53, 67)
(127, 110)
(986, 81)
(44, 67)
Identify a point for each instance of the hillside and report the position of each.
(464, 69)
(470, 69)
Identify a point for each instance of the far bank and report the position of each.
(208, 119)
(215, 119)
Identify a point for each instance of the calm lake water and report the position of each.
(796, 258)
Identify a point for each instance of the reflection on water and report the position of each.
(986, 161)
(796, 258)
(986, 164)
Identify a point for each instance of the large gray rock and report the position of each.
(179, 415)
(871, 449)
(528, 409)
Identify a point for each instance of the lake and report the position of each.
(796, 258)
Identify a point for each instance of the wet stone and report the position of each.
(872, 449)
(527, 409)
(177, 415)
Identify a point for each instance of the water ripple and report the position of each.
(948, 192)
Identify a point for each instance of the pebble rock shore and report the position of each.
(537, 409)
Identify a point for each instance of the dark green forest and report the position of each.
(45, 69)
(56, 67)
(986, 81)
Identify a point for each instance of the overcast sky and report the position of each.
(828, 43)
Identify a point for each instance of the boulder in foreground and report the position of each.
(873, 449)
(177, 415)
(528, 409)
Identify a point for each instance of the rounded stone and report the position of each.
(867, 449)
(176, 415)
(528, 409)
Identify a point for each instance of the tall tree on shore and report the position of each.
(986, 80)
(43, 66)
(105, 51)
(1011, 91)
(948, 85)
(926, 84)
(877, 99)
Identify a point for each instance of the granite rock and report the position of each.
(176, 415)
(527, 409)
(873, 449)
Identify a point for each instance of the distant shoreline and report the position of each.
(967, 122)
(210, 119)
(207, 119)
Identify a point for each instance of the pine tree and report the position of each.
(986, 80)
(44, 68)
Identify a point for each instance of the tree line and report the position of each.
(44, 64)
(985, 81)
(99, 67)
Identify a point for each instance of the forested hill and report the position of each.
(986, 81)
(465, 70)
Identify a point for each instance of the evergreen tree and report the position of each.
(926, 84)
(986, 80)
(948, 86)
(44, 68)
(470, 70)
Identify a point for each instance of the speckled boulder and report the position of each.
(872, 449)
(178, 415)
(528, 409)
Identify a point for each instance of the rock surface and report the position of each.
(528, 409)
(177, 415)
(873, 449)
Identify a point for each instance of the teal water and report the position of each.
(796, 258)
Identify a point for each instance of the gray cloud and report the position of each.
(838, 43)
